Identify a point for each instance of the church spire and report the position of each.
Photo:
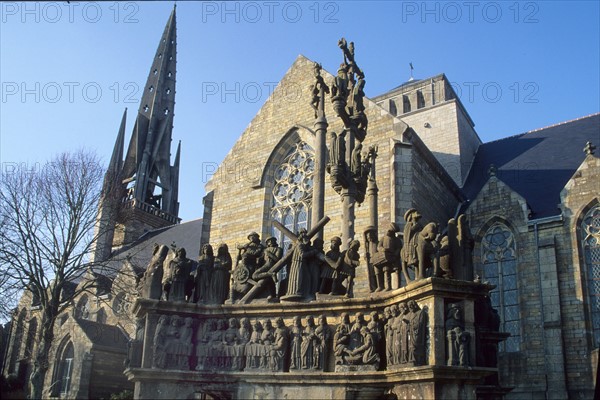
(112, 192)
(116, 160)
(175, 180)
(140, 192)
(147, 162)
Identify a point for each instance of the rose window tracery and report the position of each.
(292, 191)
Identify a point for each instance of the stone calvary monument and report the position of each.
(275, 322)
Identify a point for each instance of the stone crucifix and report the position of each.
(345, 158)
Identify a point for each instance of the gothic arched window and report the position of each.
(82, 310)
(499, 258)
(66, 369)
(16, 345)
(31, 335)
(292, 192)
(590, 237)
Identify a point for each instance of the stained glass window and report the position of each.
(500, 269)
(590, 230)
(292, 191)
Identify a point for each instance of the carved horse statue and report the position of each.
(427, 254)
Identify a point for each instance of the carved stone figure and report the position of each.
(444, 254)
(159, 345)
(298, 283)
(376, 328)
(322, 345)
(356, 165)
(185, 346)
(417, 331)
(245, 330)
(427, 251)
(250, 254)
(316, 88)
(458, 338)
(403, 329)
(387, 259)
(420, 250)
(337, 149)
(180, 268)
(371, 242)
(337, 166)
(254, 347)
(314, 269)
(173, 343)
(347, 270)
(217, 359)
(409, 249)
(341, 340)
(296, 333)
(203, 274)
(219, 283)
(233, 351)
(203, 338)
(389, 336)
(267, 338)
(367, 352)
(279, 347)
(153, 276)
(271, 255)
(394, 325)
(339, 88)
(355, 335)
(327, 271)
(249, 259)
(309, 345)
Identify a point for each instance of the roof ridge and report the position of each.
(545, 127)
(563, 123)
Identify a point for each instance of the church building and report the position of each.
(532, 202)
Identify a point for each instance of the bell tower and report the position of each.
(140, 192)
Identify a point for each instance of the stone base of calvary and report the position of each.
(224, 330)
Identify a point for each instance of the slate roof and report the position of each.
(103, 334)
(536, 164)
(186, 235)
(139, 253)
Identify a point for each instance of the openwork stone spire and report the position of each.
(147, 169)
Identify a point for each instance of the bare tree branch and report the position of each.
(47, 221)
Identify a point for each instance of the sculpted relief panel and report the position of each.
(308, 344)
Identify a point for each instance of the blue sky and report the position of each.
(67, 71)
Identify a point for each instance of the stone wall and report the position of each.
(577, 198)
(439, 119)
(555, 355)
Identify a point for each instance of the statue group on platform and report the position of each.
(183, 280)
(422, 252)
